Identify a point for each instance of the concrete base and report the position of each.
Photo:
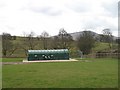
(51, 60)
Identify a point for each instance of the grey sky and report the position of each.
(19, 16)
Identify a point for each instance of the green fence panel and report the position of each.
(59, 54)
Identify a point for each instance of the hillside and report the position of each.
(75, 35)
(20, 46)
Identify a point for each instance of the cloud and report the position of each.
(102, 7)
(20, 16)
(98, 23)
(10, 27)
(111, 9)
(2, 4)
(93, 23)
(46, 7)
(79, 6)
(52, 11)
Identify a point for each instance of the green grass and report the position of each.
(12, 59)
(100, 73)
(95, 59)
(99, 46)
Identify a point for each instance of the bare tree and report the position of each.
(44, 37)
(108, 37)
(55, 42)
(15, 47)
(7, 45)
(29, 42)
(62, 34)
(65, 38)
(62, 40)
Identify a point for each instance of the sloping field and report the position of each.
(87, 73)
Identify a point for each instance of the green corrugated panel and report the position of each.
(48, 54)
(47, 51)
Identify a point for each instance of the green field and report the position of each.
(12, 59)
(94, 73)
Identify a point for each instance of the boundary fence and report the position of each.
(111, 55)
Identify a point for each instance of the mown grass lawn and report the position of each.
(12, 59)
(97, 73)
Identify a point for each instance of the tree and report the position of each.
(108, 37)
(13, 37)
(62, 41)
(7, 45)
(65, 39)
(85, 42)
(44, 37)
(28, 42)
(55, 44)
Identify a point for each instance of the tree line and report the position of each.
(85, 42)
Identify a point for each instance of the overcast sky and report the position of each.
(23, 16)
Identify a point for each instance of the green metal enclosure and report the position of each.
(59, 54)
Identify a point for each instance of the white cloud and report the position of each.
(48, 11)
(18, 16)
(111, 8)
(79, 6)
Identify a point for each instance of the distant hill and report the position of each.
(75, 35)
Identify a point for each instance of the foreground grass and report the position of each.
(12, 59)
(101, 73)
(95, 59)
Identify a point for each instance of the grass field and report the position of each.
(96, 73)
(12, 59)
